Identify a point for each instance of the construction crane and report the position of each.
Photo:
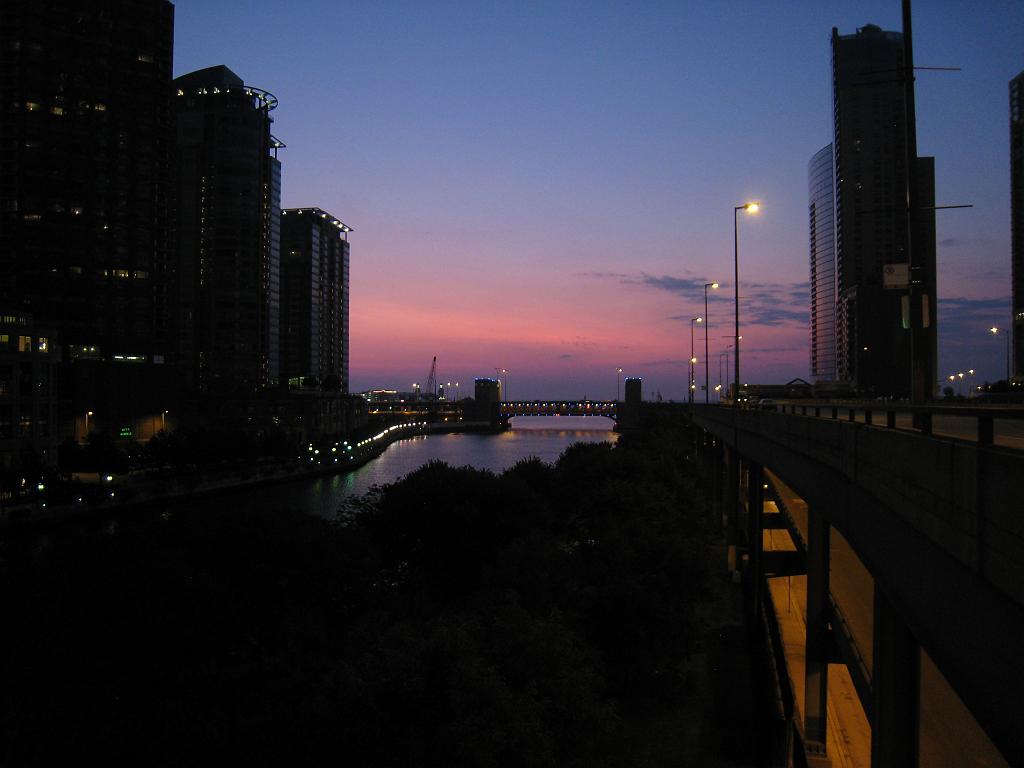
(432, 379)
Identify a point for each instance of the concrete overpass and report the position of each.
(939, 525)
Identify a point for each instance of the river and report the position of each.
(542, 436)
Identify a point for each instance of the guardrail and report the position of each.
(921, 415)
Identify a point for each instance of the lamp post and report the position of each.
(87, 415)
(707, 330)
(415, 391)
(692, 384)
(995, 332)
(960, 389)
(618, 383)
(163, 421)
(749, 208)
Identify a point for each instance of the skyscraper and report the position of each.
(874, 226)
(228, 226)
(314, 297)
(85, 173)
(821, 211)
(1017, 219)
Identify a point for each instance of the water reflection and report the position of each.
(531, 436)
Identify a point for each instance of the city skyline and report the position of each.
(547, 191)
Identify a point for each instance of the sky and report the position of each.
(546, 187)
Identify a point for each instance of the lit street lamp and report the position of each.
(995, 332)
(618, 383)
(692, 384)
(707, 330)
(749, 208)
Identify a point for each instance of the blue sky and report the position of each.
(546, 187)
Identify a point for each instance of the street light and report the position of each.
(692, 383)
(415, 391)
(995, 332)
(707, 355)
(960, 389)
(749, 208)
(87, 415)
(618, 383)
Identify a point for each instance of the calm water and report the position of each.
(543, 437)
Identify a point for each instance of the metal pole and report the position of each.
(689, 384)
(707, 358)
(736, 284)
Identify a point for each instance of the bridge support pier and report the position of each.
(732, 506)
(818, 640)
(895, 686)
(755, 509)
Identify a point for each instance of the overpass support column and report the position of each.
(755, 508)
(895, 688)
(732, 506)
(818, 641)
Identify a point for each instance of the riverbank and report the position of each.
(109, 495)
(555, 612)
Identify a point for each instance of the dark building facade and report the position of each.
(228, 231)
(314, 298)
(487, 394)
(821, 212)
(86, 148)
(29, 432)
(872, 223)
(1017, 219)
(85, 172)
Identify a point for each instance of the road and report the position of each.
(950, 736)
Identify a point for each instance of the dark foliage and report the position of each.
(459, 618)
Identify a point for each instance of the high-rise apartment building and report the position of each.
(1017, 219)
(314, 297)
(873, 229)
(228, 231)
(821, 211)
(85, 173)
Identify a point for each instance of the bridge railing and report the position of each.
(885, 413)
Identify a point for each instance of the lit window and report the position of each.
(145, 58)
(55, 110)
(32, 106)
(141, 274)
(120, 273)
(44, 344)
(32, 217)
(24, 343)
(4, 340)
(76, 210)
(100, 107)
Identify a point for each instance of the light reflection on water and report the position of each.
(543, 437)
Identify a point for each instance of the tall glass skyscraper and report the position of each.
(821, 211)
(314, 297)
(874, 228)
(229, 208)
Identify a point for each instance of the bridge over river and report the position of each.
(934, 528)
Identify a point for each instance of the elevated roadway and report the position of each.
(936, 526)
